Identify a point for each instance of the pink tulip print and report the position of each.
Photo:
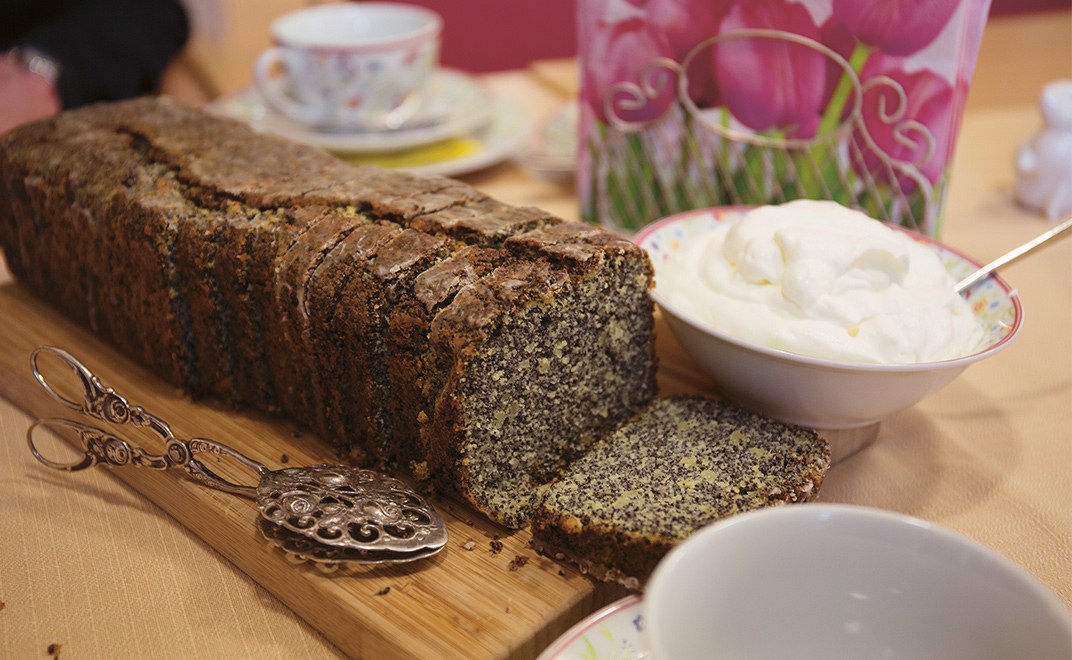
(894, 27)
(771, 83)
(686, 24)
(770, 100)
(623, 53)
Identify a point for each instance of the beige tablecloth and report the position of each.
(88, 568)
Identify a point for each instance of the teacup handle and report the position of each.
(273, 92)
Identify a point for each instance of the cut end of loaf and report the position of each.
(563, 368)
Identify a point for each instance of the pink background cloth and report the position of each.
(491, 35)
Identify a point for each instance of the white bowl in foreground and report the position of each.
(815, 392)
(836, 581)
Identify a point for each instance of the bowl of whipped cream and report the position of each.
(815, 314)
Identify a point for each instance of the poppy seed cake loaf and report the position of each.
(677, 465)
(407, 320)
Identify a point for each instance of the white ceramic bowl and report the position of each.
(836, 581)
(814, 392)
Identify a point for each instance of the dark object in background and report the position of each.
(106, 49)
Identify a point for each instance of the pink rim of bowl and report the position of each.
(585, 626)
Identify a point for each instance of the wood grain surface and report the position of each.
(481, 602)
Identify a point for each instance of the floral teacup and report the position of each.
(350, 66)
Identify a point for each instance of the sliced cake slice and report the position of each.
(250, 244)
(195, 248)
(289, 356)
(680, 464)
(361, 325)
(338, 401)
(411, 358)
(349, 297)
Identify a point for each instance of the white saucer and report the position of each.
(456, 105)
(612, 632)
(500, 139)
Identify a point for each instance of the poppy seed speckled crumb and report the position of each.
(680, 464)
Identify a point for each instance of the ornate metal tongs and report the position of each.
(328, 514)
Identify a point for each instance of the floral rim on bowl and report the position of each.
(995, 304)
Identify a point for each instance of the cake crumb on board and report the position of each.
(518, 561)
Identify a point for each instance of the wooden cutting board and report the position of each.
(472, 600)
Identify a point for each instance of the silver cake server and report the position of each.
(328, 514)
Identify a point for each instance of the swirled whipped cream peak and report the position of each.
(819, 279)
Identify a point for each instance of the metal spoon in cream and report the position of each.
(1014, 255)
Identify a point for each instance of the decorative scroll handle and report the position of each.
(101, 447)
(98, 401)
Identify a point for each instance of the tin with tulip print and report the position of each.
(695, 103)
